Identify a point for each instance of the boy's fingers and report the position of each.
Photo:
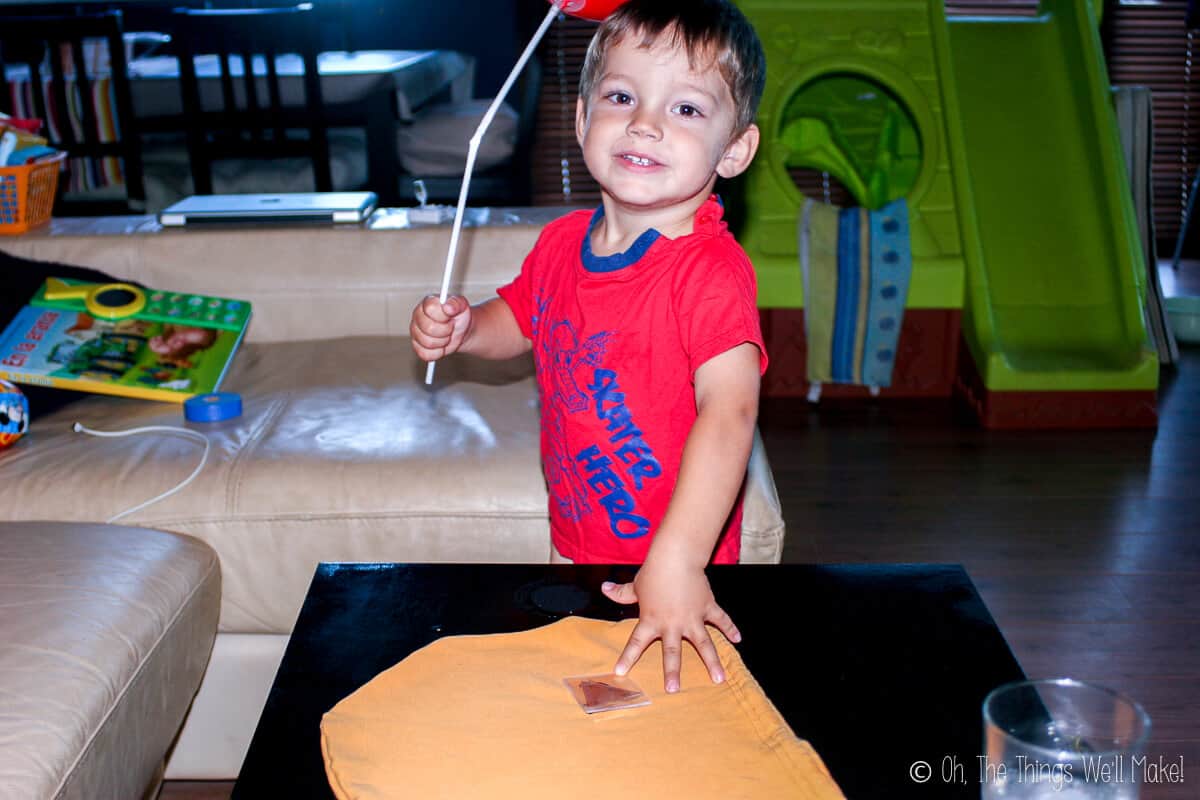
(432, 325)
(724, 624)
(672, 646)
(455, 304)
(622, 593)
(429, 340)
(639, 640)
(434, 309)
(421, 329)
(708, 654)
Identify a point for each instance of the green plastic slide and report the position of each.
(1055, 300)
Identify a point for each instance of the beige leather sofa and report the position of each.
(341, 454)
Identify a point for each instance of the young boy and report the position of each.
(643, 322)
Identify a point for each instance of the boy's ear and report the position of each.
(739, 153)
(580, 119)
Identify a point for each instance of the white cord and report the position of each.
(194, 435)
(473, 150)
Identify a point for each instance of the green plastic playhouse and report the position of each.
(1001, 135)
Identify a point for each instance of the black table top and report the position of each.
(878, 666)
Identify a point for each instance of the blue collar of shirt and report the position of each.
(595, 263)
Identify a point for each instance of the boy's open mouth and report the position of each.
(639, 160)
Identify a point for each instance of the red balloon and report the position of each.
(595, 10)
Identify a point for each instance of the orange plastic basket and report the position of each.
(27, 194)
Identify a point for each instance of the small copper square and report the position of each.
(596, 693)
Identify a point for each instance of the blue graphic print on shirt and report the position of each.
(632, 450)
(560, 354)
(620, 461)
(610, 406)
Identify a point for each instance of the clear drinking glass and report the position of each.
(1062, 739)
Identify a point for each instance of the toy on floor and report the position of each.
(586, 9)
(1025, 247)
(14, 414)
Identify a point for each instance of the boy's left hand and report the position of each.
(676, 601)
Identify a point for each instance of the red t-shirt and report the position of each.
(617, 341)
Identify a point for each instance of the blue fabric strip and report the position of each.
(805, 238)
(847, 296)
(891, 268)
(860, 298)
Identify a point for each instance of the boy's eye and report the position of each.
(688, 110)
(620, 98)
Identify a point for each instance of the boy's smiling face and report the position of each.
(656, 132)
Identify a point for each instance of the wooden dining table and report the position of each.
(373, 90)
(414, 77)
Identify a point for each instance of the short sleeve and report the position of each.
(519, 293)
(519, 298)
(717, 306)
(552, 246)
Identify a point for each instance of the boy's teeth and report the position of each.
(642, 162)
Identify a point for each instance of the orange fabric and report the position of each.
(489, 717)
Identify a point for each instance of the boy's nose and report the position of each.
(645, 124)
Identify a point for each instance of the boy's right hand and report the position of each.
(438, 329)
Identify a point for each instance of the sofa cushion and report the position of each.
(104, 638)
(341, 454)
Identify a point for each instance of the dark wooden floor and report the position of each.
(1084, 545)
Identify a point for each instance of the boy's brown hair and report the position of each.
(707, 29)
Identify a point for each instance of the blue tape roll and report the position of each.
(212, 407)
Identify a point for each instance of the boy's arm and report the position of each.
(671, 587)
(494, 332)
(488, 330)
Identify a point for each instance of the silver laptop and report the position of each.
(295, 207)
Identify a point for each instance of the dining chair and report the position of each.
(248, 120)
(81, 93)
(425, 146)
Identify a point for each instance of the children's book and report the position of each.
(121, 339)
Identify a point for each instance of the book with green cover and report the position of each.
(121, 339)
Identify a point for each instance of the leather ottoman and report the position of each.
(104, 636)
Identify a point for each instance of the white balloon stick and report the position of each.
(473, 150)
